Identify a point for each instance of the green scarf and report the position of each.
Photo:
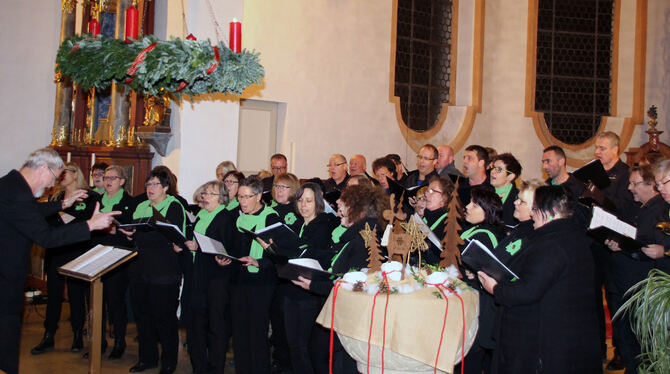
(144, 209)
(472, 231)
(109, 202)
(253, 222)
(337, 233)
(332, 262)
(99, 190)
(205, 218)
(503, 192)
(437, 222)
(232, 204)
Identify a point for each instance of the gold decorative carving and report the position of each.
(69, 5)
(154, 110)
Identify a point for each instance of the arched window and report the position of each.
(574, 63)
(422, 63)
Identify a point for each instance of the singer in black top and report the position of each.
(358, 205)
(70, 181)
(157, 273)
(301, 307)
(504, 173)
(435, 215)
(115, 197)
(205, 297)
(484, 213)
(549, 323)
(253, 284)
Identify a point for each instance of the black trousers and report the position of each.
(114, 294)
(10, 334)
(626, 341)
(76, 292)
(280, 350)
(299, 319)
(220, 323)
(196, 339)
(156, 308)
(251, 312)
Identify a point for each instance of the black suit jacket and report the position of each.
(22, 223)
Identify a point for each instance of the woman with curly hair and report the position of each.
(359, 205)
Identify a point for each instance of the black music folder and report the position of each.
(593, 172)
(478, 257)
(303, 267)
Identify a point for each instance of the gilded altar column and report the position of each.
(119, 110)
(63, 111)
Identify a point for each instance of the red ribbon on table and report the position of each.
(332, 324)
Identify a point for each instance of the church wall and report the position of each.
(328, 64)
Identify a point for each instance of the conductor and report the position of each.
(22, 222)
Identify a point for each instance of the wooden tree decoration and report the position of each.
(451, 255)
(375, 257)
(418, 238)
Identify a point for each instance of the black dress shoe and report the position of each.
(616, 363)
(102, 350)
(46, 345)
(142, 366)
(167, 370)
(117, 351)
(77, 342)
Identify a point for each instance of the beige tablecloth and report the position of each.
(413, 322)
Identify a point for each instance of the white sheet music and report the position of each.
(209, 245)
(603, 218)
(96, 260)
(306, 262)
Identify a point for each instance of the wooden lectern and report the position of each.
(90, 267)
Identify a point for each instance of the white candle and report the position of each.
(69, 157)
(92, 159)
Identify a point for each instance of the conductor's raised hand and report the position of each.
(100, 221)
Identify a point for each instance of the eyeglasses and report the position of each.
(498, 169)
(634, 184)
(280, 187)
(99, 174)
(432, 191)
(245, 197)
(154, 184)
(661, 183)
(69, 170)
(521, 202)
(209, 194)
(278, 168)
(335, 165)
(110, 178)
(52, 173)
(419, 157)
(230, 181)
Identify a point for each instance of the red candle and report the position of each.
(132, 20)
(235, 35)
(94, 27)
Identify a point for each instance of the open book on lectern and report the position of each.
(478, 257)
(96, 262)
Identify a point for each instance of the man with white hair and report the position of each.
(22, 223)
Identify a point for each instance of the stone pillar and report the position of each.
(63, 110)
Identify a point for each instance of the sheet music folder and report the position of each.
(159, 224)
(213, 247)
(606, 226)
(303, 267)
(593, 172)
(96, 262)
(478, 257)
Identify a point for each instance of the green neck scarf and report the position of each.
(337, 233)
(332, 262)
(233, 204)
(437, 222)
(144, 209)
(503, 192)
(253, 222)
(472, 231)
(99, 190)
(205, 218)
(109, 202)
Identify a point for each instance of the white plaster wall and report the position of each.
(329, 62)
(29, 37)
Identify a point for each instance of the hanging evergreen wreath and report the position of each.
(150, 66)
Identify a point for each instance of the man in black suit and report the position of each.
(475, 159)
(22, 222)
(278, 165)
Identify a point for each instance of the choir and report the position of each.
(550, 319)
